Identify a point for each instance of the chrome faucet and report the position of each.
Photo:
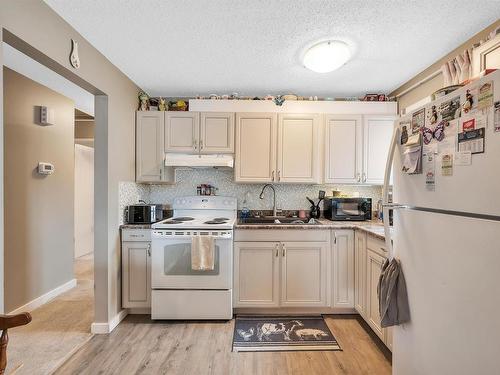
(261, 196)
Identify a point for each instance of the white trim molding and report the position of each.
(44, 298)
(105, 328)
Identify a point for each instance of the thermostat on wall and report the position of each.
(45, 168)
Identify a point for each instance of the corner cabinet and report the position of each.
(356, 148)
(377, 134)
(343, 268)
(136, 268)
(149, 156)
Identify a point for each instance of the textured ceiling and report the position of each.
(191, 47)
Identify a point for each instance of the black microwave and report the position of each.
(143, 213)
(353, 209)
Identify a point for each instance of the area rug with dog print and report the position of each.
(259, 333)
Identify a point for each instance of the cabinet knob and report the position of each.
(358, 177)
(272, 176)
(279, 175)
(201, 144)
(194, 144)
(364, 177)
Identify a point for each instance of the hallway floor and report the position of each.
(59, 328)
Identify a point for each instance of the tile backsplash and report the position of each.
(288, 197)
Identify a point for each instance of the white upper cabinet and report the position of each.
(181, 132)
(216, 132)
(356, 148)
(343, 154)
(377, 140)
(149, 148)
(298, 156)
(255, 159)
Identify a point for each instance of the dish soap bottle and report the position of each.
(245, 212)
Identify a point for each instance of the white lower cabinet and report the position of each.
(136, 274)
(373, 269)
(256, 274)
(360, 273)
(343, 268)
(271, 273)
(304, 274)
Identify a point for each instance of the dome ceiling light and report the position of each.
(327, 56)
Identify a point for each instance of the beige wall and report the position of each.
(84, 129)
(422, 91)
(39, 209)
(43, 35)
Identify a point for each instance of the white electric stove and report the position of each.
(178, 291)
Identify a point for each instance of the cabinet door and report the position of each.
(136, 274)
(256, 274)
(343, 149)
(255, 147)
(149, 146)
(343, 268)
(374, 264)
(377, 140)
(182, 132)
(304, 268)
(298, 148)
(360, 273)
(216, 133)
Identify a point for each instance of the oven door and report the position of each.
(171, 261)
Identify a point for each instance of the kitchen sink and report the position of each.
(277, 220)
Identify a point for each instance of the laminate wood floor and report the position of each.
(58, 328)
(141, 346)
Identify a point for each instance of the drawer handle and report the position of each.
(137, 235)
(383, 249)
(149, 249)
(277, 253)
(283, 251)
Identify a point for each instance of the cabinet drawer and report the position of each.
(280, 234)
(377, 246)
(136, 235)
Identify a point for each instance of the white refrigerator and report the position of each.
(447, 235)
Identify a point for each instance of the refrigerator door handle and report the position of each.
(385, 191)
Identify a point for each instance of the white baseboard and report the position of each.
(44, 298)
(104, 328)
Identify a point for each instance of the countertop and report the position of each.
(374, 228)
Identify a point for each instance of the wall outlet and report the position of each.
(45, 116)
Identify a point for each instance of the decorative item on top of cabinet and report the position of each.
(343, 268)
(143, 101)
(149, 158)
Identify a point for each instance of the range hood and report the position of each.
(199, 161)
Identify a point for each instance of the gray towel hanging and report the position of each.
(392, 294)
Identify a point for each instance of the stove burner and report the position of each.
(220, 219)
(215, 222)
(173, 222)
(183, 218)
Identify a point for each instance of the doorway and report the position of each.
(46, 273)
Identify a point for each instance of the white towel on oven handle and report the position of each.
(202, 253)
